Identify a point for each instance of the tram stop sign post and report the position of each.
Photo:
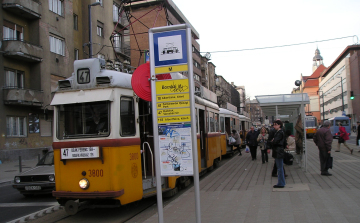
(173, 108)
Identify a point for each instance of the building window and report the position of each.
(76, 54)
(16, 126)
(101, 2)
(101, 56)
(14, 78)
(100, 29)
(12, 31)
(196, 64)
(57, 45)
(75, 22)
(34, 126)
(56, 6)
(117, 42)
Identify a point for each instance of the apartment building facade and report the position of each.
(156, 13)
(40, 41)
(336, 84)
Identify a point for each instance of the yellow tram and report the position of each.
(103, 140)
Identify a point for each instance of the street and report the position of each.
(13, 205)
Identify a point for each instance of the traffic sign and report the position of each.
(172, 86)
(172, 97)
(172, 112)
(174, 119)
(173, 104)
(170, 48)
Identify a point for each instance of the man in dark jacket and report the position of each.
(323, 139)
(251, 140)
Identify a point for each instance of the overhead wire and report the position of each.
(271, 47)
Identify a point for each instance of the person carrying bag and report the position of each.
(343, 137)
(262, 140)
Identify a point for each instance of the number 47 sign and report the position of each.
(80, 153)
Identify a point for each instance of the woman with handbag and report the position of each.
(237, 143)
(343, 137)
(278, 153)
(262, 139)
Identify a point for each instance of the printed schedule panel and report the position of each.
(175, 146)
(173, 104)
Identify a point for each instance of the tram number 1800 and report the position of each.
(96, 173)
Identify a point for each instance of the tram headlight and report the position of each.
(84, 184)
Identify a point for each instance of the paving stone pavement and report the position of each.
(241, 191)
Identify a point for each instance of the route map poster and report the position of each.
(175, 147)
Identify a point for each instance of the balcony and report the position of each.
(123, 50)
(24, 8)
(122, 22)
(27, 97)
(22, 50)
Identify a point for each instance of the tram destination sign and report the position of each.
(80, 152)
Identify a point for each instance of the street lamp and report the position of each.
(90, 37)
(298, 83)
(323, 104)
(342, 94)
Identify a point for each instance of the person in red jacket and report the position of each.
(343, 138)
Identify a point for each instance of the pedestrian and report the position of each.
(278, 144)
(237, 144)
(262, 140)
(251, 140)
(269, 146)
(290, 141)
(343, 137)
(323, 140)
(358, 133)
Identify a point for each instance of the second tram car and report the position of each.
(96, 110)
(311, 125)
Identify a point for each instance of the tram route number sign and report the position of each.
(80, 152)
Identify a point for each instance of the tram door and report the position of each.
(202, 137)
(227, 125)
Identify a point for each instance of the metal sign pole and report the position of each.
(193, 126)
(155, 132)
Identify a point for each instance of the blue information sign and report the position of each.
(170, 48)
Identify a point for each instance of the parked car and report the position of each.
(38, 180)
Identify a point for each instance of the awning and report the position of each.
(284, 104)
(287, 107)
(73, 97)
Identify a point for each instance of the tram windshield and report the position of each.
(311, 122)
(83, 120)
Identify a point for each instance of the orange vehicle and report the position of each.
(311, 126)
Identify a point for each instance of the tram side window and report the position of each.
(216, 122)
(222, 124)
(83, 120)
(212, 122)
(197, 124)
(127, 116)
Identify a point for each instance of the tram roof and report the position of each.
(287, 104)
(228, 112)
(205, 102)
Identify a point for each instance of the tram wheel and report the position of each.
(71, 207)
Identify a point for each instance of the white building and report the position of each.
(334, 90)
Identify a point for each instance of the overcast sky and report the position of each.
(235, 25)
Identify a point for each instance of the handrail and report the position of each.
(152, 160)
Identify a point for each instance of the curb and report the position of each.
(38, 214)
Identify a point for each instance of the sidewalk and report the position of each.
(242, 190)
(9, 170)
